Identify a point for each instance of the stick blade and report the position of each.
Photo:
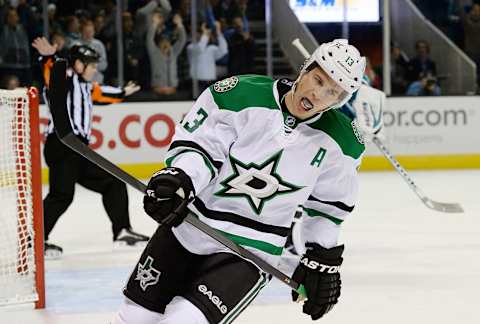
(57, 97)
(443, 207)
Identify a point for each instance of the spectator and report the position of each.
(471, 25)
(53, 25)
(241, 49)
(203, 54)
(58, 40)
(398, 69)
(10, 82)
(426, 86)
(226, 10)
(87, 37)
(242, 9)
(107, 31)
(183, 7)
(143, 17)
(162, 8)
(421, 63)
(372, 77)
(99, 25)
(454, 28)
(29, 18)
(72, 34)
(15, 49)
(133, 50)
(163, 56)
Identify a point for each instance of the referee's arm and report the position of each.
(47, 64)
(105, 95)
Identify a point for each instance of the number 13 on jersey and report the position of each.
(192, 125)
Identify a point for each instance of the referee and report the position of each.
(66, 167)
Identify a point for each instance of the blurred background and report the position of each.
(414, 47)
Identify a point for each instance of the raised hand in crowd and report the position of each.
(177, 20)
(131, 88)
(43, 46)
(218, 27)
(246, 35)
(205, 30)
(156, 20)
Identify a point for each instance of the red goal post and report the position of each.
(21, 215)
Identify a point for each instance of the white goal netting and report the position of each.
(17, 258)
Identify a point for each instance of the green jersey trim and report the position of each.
(259, 245)
(339, 127)
(315, 213)
(249, 297)
(209, 165)
(196, 147)
(245, 241)
(251, 91)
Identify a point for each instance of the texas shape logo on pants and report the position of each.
(146, 274)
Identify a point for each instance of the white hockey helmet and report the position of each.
(341, 62)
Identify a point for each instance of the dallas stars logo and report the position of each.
(146, 274)
(256, 183)
(225, 84)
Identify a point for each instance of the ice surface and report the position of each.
(403, 262)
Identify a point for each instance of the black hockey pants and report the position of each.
(67, 168)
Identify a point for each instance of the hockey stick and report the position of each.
(438, 206)
(58, 109)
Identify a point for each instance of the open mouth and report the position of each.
(306, 104)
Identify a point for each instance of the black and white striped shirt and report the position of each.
(81, 96)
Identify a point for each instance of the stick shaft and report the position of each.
(58, 93)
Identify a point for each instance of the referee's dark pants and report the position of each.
(66, 168)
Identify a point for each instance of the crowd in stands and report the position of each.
(161, 55)
(459, 20)
(416, 76)
(159, 51)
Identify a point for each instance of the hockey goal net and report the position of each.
(21, 218)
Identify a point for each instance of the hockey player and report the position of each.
(249, 152)
(365, 109)
(66, 167)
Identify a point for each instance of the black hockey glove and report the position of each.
(318, 271)
(167, 196)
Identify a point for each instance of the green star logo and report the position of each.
(256, 183)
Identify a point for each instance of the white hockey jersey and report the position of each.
(252, 164)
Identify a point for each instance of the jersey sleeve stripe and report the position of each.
(239, 220)
(338, 204)
(169, 160)
(315, 213)
(195, 146)
(99, 97)
(245, 241)
(256, 244)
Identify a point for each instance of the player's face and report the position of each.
(315, 92)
